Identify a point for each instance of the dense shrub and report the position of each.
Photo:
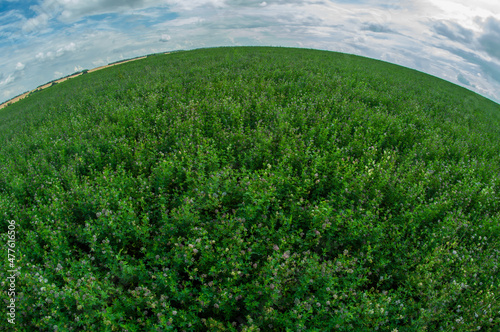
(246, 189)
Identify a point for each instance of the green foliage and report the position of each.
(247, 189)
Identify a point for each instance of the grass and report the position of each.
(246, 189)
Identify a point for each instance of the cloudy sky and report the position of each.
(457, 40)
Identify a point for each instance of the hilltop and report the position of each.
(251, 188)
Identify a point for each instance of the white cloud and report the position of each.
(71, 47)
(36, 23)
(164, 38)
(73, 10)
(20, 66)
(182, 21)
(8, 80)
(187, 6)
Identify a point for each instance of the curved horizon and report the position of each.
(86, 70)
(455, 40)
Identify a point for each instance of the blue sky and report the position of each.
(457, 40)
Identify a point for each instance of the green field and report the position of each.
(247, 189)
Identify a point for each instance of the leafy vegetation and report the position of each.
(246, 189)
